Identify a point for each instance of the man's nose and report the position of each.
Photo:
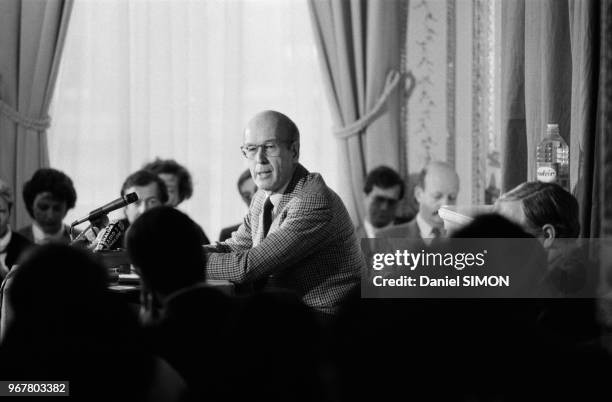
(142, 207)
(260, 155)
(447, 200)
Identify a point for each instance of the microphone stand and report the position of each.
(95, 225)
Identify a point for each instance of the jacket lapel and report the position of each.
(257, 218)
(290, 191)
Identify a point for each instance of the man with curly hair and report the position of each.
(177, 180)
(176, 177)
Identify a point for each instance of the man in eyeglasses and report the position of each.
(297, 234)
(383, 190)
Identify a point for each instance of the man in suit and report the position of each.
(383, 190)
(12, 244)
(247, 189)
(438, 185)
(297, 234)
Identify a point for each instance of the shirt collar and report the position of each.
(40, 237)
(371, 231)
(276, 196)
(5, 240)
(425, 228)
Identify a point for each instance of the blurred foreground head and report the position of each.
(508, 250)
(56, 290)
(165, 247)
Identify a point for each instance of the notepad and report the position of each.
(129, 278)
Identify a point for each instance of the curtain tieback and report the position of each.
(26, 122)
(394, 77)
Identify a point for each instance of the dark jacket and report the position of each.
(15, 249)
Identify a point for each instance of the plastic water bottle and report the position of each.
(552, 161)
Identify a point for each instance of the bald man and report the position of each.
(438, 185)
(297, 234)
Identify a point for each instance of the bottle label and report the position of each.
(546, 174)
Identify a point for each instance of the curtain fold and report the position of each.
(33, 34)
(604, 123)
(550, 74)
(359, 45)
(513, 137)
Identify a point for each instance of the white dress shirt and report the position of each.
(40, 237)
(371, 231)
(4, 242)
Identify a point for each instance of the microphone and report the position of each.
(105, 209)
(109, 235)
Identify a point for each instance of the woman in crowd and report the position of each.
(48, 197)
(178, 182)
(175, 176)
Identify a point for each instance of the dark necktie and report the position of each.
(267, 216)
(436, 233)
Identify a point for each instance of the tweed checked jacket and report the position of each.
(310, 248)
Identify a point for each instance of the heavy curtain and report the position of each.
(359, 46)
(32, 34)
(180, 79)
(551, 74)
(604, 126)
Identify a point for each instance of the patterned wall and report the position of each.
(451, 114)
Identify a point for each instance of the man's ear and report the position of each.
(550, 234)
(418, 192)
(295, 148)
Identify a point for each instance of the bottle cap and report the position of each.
(552, 129)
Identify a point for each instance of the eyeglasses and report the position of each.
(269, 149)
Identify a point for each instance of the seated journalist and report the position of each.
(383, 190)
(178, 183)
(297, 234)
(247, 189)
(437, 185)
(550, 214)
(48, 197)
(151, 191)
